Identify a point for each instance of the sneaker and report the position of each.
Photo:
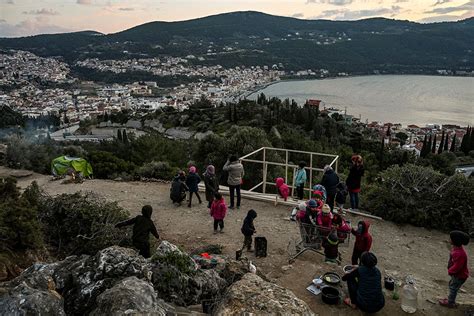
(446, 303)
(221, 231)
(215, 232)
(230, 207)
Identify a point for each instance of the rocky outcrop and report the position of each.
(254, 295)
(129, 296)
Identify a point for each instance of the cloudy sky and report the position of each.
(29, 17)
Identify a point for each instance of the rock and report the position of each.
(166, 248)
(234, 270)
(129, 296)
(286, 268)
(254, 295)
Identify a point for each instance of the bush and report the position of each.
(107, 166)
(157, 170)
(80, 223)
(423, 197)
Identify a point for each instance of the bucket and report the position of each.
(330, 295)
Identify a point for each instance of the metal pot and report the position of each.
(330, 295)
(331, 278)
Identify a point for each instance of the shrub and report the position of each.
(157, 170)
(107, 166)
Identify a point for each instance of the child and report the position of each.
(211, 183)
(300, 180)
(457, 267)
(342, 227)
(218, 211)
(283, 189)
(330, 245)
(192, 181)
(298, 212)
(320, 190)
(248, 229)
(363, 241)
(324, 220)
(178, 188)
(341, 194)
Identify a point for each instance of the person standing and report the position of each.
(248, 229)
(363, 241)
(142, 227)
(218, 212)
(192, 181)
(234, 180)
(330, 181)
(353, 180)
(300, 180)
(211, 183)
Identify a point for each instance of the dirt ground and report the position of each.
(401, 250)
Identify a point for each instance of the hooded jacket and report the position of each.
(212, 186)
(300, 178)
(192, 181)
(218, 209)
(283, 189)
(248, 229)
(363, 241)
(236, 172)
(329, 181)
(457, 265)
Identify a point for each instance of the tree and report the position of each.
(430, 144)
(446, 142)
(453, 144)
(124, 136)
(433, 149)
(119, 135)
(402, 137)
(441, 144)
(466, 141)
(425, 146)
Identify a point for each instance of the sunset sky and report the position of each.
(29, 17)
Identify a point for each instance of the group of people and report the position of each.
(319, 213)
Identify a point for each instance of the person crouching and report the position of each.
(331, 247)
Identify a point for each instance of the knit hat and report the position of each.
(302, 206)
(459, 238)
(192, 169)
(326, 209)
(312, 204)
(368, 259)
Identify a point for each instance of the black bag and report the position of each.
(260, 247)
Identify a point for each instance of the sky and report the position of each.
(31, 17)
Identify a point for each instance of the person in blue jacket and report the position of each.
(192, 181)
(300, 180)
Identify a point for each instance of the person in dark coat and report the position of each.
(331, 249)
(248, 229)
(341, 194)
(330, 181)
(142, 227)
(192, 181)
(212, 184)
(363, 241)
(365, 285)
(178, 188)
(356, 172)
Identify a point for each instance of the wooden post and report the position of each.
(264, 170)
(293, 182)
(337, 162)
(310, 174)
(286, 167)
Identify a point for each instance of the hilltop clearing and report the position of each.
(400, 250)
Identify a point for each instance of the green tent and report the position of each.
(61, 165)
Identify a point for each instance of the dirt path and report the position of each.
(400, 250)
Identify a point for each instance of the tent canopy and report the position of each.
(61, 165)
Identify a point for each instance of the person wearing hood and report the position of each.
(365, 285)
(192, 181)
(282, 188)
(330, 181)
(211, 183)
(236, 172)
(218, 212)
(178, 188)
(324, 220)
(363, 241)
(248, 229)
(356, 172)
(300, 180)
(330, 245)
(142, 227)
(457, 266)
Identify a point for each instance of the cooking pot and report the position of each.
(330, 295)
(331, 278)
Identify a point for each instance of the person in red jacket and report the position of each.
(218, 211)
(282, 187)
(457, 267)
(363, 241)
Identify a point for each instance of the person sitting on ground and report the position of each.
(192, 181)
(341, 194)
(212, 184)
(342, 227)
(178, 188)
(365, 285)
(324, 220)
(282, 187)
(248, 229)
(330, 245)
(457, 267)
(218, 211)
(363, 241)
(142, 227)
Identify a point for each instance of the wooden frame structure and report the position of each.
(311, 168)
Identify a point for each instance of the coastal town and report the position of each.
(37, 86)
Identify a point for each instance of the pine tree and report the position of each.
(441, 144)
(433, 149)
(465, 143)
(471, 143)
(125, 137)
(430, 144)
(446, 148)
(453, 144)
(425, 145)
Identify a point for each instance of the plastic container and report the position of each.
(409, 296)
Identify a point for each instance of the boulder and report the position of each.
(167, 249)
(129, 296)
(254, 295)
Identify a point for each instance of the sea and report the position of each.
(405, 99)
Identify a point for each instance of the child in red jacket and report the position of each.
(218, 211)
(363, 241)
(457, 267)
(282, 187)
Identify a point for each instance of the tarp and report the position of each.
(61, 165)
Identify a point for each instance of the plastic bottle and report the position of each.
(409, 296)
